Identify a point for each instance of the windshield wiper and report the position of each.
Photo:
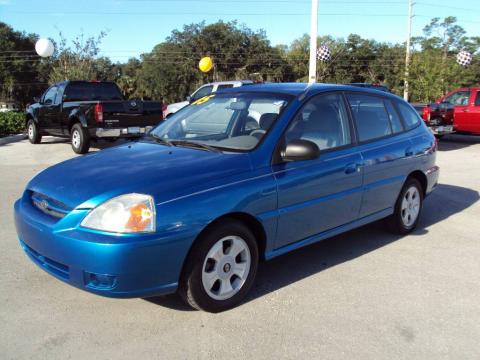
(196, 145)
(160, 139)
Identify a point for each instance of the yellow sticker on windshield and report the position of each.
(203, 99)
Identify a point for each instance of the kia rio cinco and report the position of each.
(234, 178)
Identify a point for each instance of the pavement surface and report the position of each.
(363, 295)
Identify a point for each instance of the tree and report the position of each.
(80, 61)
(22, 74)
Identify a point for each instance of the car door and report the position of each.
(50, 111)
(44, 110)
(384, 146)
(467, 118)
(321, 194)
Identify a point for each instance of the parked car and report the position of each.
(205, 90)
(197, 203)
(375, 86)
(457, 111)
(89, 110)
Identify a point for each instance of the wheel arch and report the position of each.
(74, 119)
(421, 177)
(246, 219)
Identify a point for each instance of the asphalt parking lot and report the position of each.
(362, 295)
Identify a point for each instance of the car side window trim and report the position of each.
(383, 137)
(276, 159)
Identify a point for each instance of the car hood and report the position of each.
(141, 167)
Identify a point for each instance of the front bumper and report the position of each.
(104, 264)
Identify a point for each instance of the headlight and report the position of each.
(131, 213)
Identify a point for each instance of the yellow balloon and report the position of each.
(206, 64)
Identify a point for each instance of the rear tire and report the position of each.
(407, 208)
(80, 139)
(33, 132)
(220, 269)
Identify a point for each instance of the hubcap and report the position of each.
(30, 131)
(226, 267)
(410, 206)
(76, 138)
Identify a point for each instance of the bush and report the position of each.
(11, 123)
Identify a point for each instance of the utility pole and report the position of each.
(407, 54)
(312, 67)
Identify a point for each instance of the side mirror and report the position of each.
(48, 102)
(189, 98)
(36, 99)
(299, 149)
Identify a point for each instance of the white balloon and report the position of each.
(44, 47)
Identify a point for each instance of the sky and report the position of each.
(136, 26)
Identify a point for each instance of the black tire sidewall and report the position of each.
(191, 282)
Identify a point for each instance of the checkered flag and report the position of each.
(324, 53)
(464, 58)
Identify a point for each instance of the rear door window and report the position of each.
(477, 99)
(371, 118)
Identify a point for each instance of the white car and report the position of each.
(205, 90)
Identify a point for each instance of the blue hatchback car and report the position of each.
(234, 178)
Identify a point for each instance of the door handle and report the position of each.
(351, 168)
(466, 110)
(408, 152)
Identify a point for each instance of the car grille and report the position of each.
(48, 264)
(49, 206)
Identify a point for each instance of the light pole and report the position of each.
(407, 54)
(312, 67)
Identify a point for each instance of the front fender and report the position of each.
(255, 196)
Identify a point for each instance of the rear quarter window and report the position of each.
(410, 117)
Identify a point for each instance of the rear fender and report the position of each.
(76, 116)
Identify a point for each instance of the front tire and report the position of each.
(221, 268)
(407, 208)
(80, 139)
(33, 132)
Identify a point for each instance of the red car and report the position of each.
(457, 111)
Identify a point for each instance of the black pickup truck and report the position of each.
(85, 111)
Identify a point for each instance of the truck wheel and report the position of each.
(33, 132)
(221, 268)
(407, 208)
(80, 139)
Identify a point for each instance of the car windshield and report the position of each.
(228, 121)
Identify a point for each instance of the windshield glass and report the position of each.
(227, 121)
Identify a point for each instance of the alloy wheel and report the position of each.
(226, 267)
(410, 206)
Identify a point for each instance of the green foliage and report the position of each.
(171, 71)
(79, 62)
(21, 76)
(11, 123)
